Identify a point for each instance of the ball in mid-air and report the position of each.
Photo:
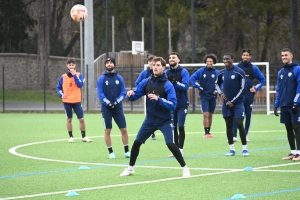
(79, 13)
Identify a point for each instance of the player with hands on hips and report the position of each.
(252, 72)
(111, 93)
(204, 80)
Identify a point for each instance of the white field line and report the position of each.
(13, 151)
(116, 185)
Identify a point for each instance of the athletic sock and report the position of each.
(207, 130)
(110, 150)
(83, 134)
(294, 152)
(231, 147)
(126, 148)
(70, 134)
(244, 147)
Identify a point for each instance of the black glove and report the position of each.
(276, 111)
(112, 106)
(295, 109)
(173, 81)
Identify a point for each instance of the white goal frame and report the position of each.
(267, 76)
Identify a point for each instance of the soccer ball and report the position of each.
(79, 13)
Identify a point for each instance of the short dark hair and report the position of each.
(212, 56)
(286, 49)
(71, 60)
(157, 59)
(177, 54)
(228, 54)
(150, 58)
(247, 50)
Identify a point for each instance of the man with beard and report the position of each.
(287, 98)
(146, 74)
(232, 78)
(111, 93)
(69, 90)
(179, 77)
(252, 72)
(204, 80)
(160, 102)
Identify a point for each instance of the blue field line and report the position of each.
(140, 163)
(268, 193)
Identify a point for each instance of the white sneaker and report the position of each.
(235, 139)
(186, 172)
(128, 171)
(71, 140)
(86, 139)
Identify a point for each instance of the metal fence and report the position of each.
(44, 98)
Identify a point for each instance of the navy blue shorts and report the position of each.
(287, 116)
(118, 116)
(77, 107)
(179, 116)
(208, 105)
(237, 111)
(147, 129)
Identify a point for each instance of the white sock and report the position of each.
(130, 168)
(185, 167)
(294, 152)
(231, 147)
(298, 152)
(244, 147)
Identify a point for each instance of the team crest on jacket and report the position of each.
(290, 74)
(117, 82)
(106, 82)
(281, 76)
(204, 75)
(213, 76)
(232, 76)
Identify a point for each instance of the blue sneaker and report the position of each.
(230, 153)
(112, 155)
(245, 153)
(127, 154)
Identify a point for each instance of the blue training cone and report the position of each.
(238, 196)
(72, 193)
(248, 169)
(84, 167)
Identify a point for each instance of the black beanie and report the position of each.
(111, 59)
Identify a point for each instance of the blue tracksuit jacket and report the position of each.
(288, 86)
(157, 112)
(111, 88)
(256, 74)
(206, 78)
(181, 86)
(233, 83)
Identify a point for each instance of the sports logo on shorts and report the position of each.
(204, 75)
(232, 77)
(290, 74)
(117, 82)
